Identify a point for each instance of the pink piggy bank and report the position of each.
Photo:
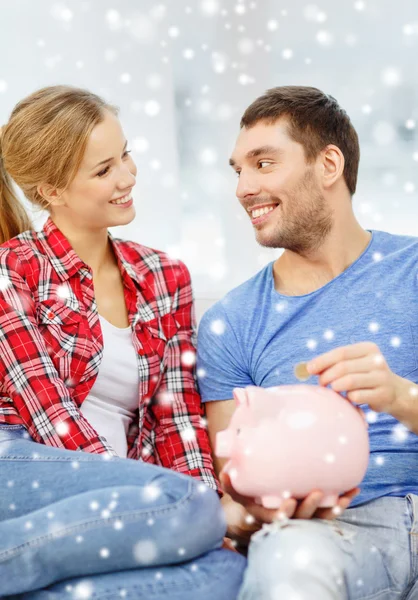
(286, 441)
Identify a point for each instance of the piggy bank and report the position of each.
(288, 440)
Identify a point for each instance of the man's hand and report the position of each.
(228, 545)
(362, 372)
(241, 527)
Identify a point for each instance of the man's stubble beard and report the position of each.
(306, 228)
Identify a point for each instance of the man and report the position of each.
(344, 300)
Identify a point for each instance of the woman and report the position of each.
(96, 356)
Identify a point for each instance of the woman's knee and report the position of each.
(189, 511)
(195, 509)
(202, 519)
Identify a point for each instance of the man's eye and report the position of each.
(237, 173)
(264, 163)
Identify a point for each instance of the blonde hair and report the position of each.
(44, 142)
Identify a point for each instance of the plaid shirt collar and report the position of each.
(66, 262)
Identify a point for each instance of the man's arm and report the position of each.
(405, 409)
(241, 525)
(218, 415)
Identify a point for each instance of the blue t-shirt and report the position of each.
(255, 336)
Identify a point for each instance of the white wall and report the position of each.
(183, 72)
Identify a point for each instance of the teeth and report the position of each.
(122, 200)
(261, 211)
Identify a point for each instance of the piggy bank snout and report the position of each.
(224, 443)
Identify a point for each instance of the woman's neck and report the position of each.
(93, 247)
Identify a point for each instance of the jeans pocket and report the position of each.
(410, 512)
(11, 432)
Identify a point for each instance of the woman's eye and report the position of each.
(104, 172)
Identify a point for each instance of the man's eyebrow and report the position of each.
(102, 162)
(257, 152)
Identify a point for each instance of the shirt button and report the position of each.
(51, 315)
(141, 352)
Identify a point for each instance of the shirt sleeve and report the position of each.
(28, 378)
(221, 363)
(182, 441)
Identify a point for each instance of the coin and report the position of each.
(301, 372)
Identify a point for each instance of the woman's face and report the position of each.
(100, 195)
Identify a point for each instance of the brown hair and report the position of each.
(315, 120)
(43, 142)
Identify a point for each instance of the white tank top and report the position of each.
(110, 406)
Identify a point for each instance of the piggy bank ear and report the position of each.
(240, 396)
(254, 394)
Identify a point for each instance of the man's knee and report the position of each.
(295, 561)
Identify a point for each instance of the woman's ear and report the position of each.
(332, 165)
(51, 194)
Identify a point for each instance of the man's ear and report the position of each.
(332, 165)
(51, 194)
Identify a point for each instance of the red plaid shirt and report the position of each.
(51, 346)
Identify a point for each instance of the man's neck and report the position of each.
(299, 274)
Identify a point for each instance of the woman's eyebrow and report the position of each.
(108, 159)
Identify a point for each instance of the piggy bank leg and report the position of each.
(271, 501)
(329, 501)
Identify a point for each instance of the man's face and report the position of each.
(279, 190)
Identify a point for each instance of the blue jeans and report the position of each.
(369, 553)
(76, 525)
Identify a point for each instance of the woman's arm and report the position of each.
(182, 441)
(27, 374)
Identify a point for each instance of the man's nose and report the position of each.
(247, 186)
